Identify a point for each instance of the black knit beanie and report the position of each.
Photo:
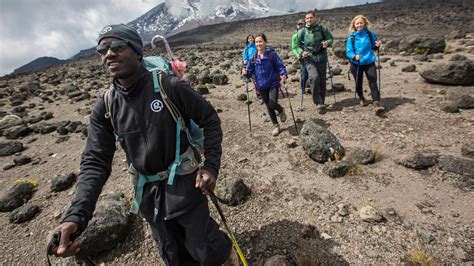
(123, 32)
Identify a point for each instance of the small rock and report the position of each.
(278, 260)
(468, 150)
(60, 183)
(370, 214)
(337, 168)
(22, 160)
(409, 68)
(361, 155)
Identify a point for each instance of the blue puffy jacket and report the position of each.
(363, 47)
(267, 69)
(249, 51)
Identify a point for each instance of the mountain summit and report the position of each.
(169, 18)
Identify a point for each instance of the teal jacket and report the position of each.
(362, 46)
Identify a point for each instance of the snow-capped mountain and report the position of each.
(172, 17)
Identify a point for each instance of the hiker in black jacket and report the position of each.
(178, 214)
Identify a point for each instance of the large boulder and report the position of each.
(453, 73)
(24, 213)
(10, 148)
(455, 165)
(10, 121)
(233, 191)
(423, 45)
(16, 196)
(108, 227)
(319, 143)
(419, 161)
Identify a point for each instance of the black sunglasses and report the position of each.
(115, 46)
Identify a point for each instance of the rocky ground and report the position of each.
(394, 210)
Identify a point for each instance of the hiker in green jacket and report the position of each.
(313, 40)
(294, 46)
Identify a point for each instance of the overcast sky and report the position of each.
(60, 28)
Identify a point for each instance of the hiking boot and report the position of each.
(378, 108)
(321, 109)
(283, 115)
(276, 130)
(362, 102)
(233, 259)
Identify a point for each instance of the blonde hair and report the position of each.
(352, 26)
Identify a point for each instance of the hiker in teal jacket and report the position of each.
(360, 47)
(248, 53)
(294, 47)
(313, 40)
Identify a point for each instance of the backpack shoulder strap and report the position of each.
(167, 101)
(353, 41)
(371, 38)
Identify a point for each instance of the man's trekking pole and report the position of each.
(289, 103)
(332, 85)
(303, 84)
(355, 90)
(248, 102)
(55, 243)
(215, 200)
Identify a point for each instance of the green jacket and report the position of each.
(294, 44)
(310, 38)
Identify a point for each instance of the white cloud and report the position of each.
(58, 28)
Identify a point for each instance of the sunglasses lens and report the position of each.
(102, 49)
(116, 46)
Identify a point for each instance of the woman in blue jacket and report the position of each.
(360, 47)
(269, 73)
(248, 54)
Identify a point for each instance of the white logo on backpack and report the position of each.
(156, 106)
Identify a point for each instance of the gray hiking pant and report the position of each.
(317, 77)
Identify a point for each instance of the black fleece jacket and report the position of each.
(148, 135)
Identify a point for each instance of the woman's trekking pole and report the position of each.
(355, 90)
(332, 85)
(289, 103)
(378, 61)
(248, 102)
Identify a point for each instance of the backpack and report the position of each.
(371, 38)
(187, 162)
(319, 28)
